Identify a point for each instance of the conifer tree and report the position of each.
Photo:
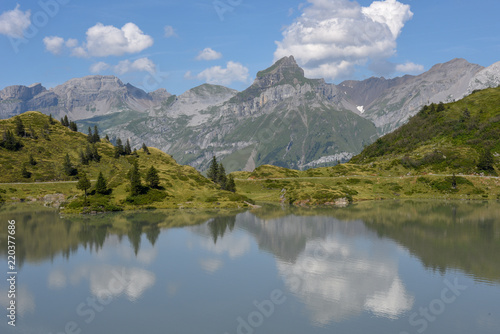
(135, 179)
(486, 161)
(101, 186)
(96, 138)
(221, 176)
(128, 149)
(20, 131)
(95, 154)
(230, 185)
(83, 183)
(83, 158)
(65, 121)
(68, 166)
(25, 173)
(51, 120)
(10, 142)
(119, 148)
(152, 177)
(213, 170)
(90, 136)
(32, 160)
(107, 138)
(73, 126)
(145, 148)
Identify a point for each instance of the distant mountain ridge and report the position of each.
(283, 118)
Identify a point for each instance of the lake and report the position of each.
(374, 267)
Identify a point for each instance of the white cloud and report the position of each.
(53, 44)
(14, 22)
(169, 31)
(209, 54)
(331, 37)
(71, 43)
(409, 67)
(139, 65)
(224, 76)
(103, 41)
(99, 67)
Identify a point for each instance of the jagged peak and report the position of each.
(285, 64)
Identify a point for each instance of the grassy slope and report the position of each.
(184, 186)
(415, 161)
(450, 140)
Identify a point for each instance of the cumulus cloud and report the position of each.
(224, 76)
(103, 41)
(331, 38)
(99, 67)
(139, 65)
(14, 22)
(209, 54)
(169, 31)
(409, 67)
(54, 44)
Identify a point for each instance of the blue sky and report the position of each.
(178, 45)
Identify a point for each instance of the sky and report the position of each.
(178, 45)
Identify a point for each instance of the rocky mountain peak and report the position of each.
(284, 71)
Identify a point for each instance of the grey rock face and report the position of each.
(487, 78)
(79, 98)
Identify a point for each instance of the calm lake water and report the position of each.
(381, 267)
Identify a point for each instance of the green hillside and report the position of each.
(460, 137)
(36, 168)
(442, 152)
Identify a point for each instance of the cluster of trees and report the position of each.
(217, 174)
(93, 137)
(90, 154)
(120, 149)
(10, 142)
(152, 179)
(66, 122)
(101, 186)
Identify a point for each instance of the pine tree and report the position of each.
(145, 148)
(20, 131)
(10, 142)
(62, 121)
(152, 178)
(95, 154)
(83, 158)
(51, 120)
(135, 179)
(96, 138)
(107, 138)
(73, 126)
(83, 183)
(68, 166)
(25, 173)
(221, 176)
(486, 161)
(230, 185)
(213, 170)
(101, 186)
(32, 160)
(65, 120)
(119, 148)
(90, 136)
(128, 149)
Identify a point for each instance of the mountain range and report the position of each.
(283, 118)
